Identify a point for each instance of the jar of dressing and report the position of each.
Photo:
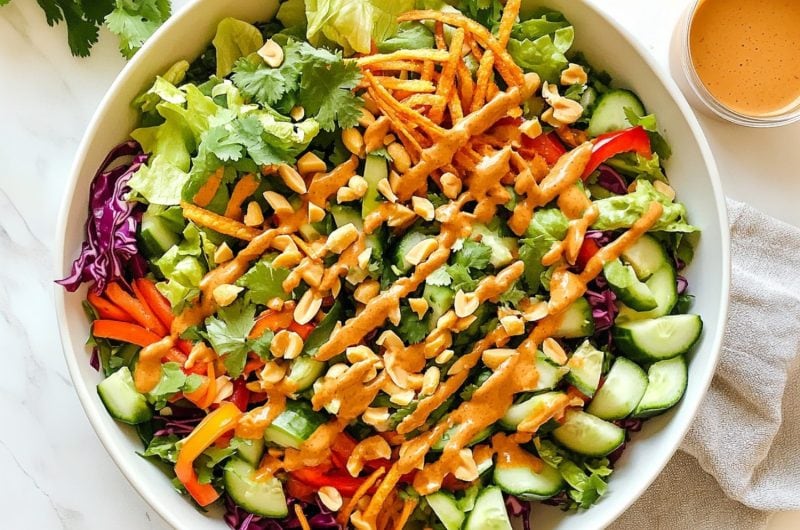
(740, 60)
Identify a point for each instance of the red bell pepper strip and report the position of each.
(304, 330)
(547, 145)
(212, 427)
(124, 331)
(611, 144)
(318, 477)
(146, 290)
(240, 396)
(106, 309)
(588, 249)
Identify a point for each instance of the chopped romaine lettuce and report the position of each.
(622, 211)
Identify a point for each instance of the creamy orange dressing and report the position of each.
(148, 368)
(326, 184)
(510, 455)
(747, 53)
(252, 424)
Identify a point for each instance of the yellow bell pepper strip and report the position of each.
(207, 431)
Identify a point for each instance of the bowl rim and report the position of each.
(63, 255)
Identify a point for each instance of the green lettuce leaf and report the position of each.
(184, 265)
(545, 55)
(235, 39)
(547, 226)
(409, 36)
(353, 24)
(163, 447)
(292, 13)
(159, 182)
(622, 211)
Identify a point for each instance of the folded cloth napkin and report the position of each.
(741, 458)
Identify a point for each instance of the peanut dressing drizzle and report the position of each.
(148, 368)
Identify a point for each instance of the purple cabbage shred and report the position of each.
(319, 517)
(602, 238)
(683, 284)
(110, 245)
(519, 508)
(609, 179)
(603, 302)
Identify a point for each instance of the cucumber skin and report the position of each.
(446, 508)
(238, 487)
(119, 382)
(609, 112)
(613, 408)
(577, 321)
(655, 410)
(625, 341)
(668, 276)
(573, 430)
(512, 481)
(489, 512)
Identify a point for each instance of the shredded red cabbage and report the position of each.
(609, 179)
(602, 238)
(519, 508)
(603, 302)
(630, 425)
(319, 517)
(561, 500)
(110, 244)
(180, 422)
(683, 284)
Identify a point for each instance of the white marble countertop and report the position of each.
(55, 472)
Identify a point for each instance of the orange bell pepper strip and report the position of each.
(135, 308)
(197, 396)
(147, 292)
(271, 320)
(211, 393)
(106, 309)
(217, 423)
(124, 331)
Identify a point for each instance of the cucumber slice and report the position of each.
(609, 114)
(344, 215)
(294, 425)
(664, 287)
(440, 300)
(123, 402)
(264, 498)
(588, 435)
(629, 289)
(585, 367)
(375, 170)
(478, 438)
(646, 256)
(577, 321)
(403, 248)
(303, 371)
(623, 389)
(657, 339)
(503, 248)
(525, 483)
(156, 234)
(666, 384)
(446, 509)
(516, 414)
(251, 451)
(489, 512)
(549, 374)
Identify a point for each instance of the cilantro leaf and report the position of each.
(163, 447)
(266, 85)
(264, 282)
(134, 22)
(228, 334)
(173, 380)
(461, 278)
(473, 255)
(411, 329)
(326, 91)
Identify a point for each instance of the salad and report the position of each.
(378, 265)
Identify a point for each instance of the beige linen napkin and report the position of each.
(741, 457)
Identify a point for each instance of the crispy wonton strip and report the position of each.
(401, 66)
(408, 85)
(246, 186)
(408, 509)
(508, 69)
(466, 84)
(485, 73)
(447, 80)
(218, 223)
(438, 56)
(382, 95)
(509, 18)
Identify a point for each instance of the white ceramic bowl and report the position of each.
(691, 169)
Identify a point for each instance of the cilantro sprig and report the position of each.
(133, 21)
